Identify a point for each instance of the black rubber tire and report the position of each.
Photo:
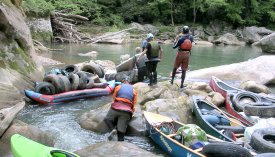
(71, 69)
(66, 83)
(234, 129)
(261, 110)
(266, 155)
(225, 150)
(45, 88)
(83, 80)
(102, 71)
(74, 81)
(237, 98)
(90, 83)
(56, 81)
(260, 140)
(93, 68)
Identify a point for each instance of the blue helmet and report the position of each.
(150, 35)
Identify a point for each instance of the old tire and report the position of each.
(90, 83)
(66, 82)
(74, 81)
(260, 110)
(82, 79)
(102, 71)
(45, 88)
(263, 140)
(93, 68)
(225, 150)
(237, 100)
(71, 69)
(234, 129)
(56, 81)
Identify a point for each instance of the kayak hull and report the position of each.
(24, 147)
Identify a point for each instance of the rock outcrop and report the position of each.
(19, 68)
(19, 65)
(261, 70)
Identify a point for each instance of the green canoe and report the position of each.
(207, 115)
(24, 147)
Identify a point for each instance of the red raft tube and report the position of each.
(71, 95)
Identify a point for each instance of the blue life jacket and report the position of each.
(126, 91)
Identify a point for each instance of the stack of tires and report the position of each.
(72, 77)
(253, 105)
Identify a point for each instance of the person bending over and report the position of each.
(140, 65)
(122, 109)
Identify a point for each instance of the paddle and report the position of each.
(233, 122)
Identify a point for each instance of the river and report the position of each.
(61, 121)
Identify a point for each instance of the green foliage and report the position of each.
(115, 13)
(166, 29)
(37, 7)
(68, 6)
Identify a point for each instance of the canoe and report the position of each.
(213, 121)
(71, 95)
(24, 147)
(232, 105)
(167, 142)
(127, 65)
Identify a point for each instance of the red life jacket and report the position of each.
(186, 45)
(125, 92)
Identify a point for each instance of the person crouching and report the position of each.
(122, 109)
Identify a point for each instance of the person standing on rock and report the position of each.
(122, 109)
(154, 55)
(183, 42)
(140, 65)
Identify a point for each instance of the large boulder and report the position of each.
(228, 39)
(112, 148)
(261, 70)
(19, 65)
(254, 87)
(163, 98)
(41, 28)
(254, 34)
(29, 131)
(267, 43)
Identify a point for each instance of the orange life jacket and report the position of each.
(186, 45)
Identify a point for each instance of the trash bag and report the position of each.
(191, 134)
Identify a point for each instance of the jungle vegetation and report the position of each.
(237, 13)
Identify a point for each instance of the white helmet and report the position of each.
(150, 35)
(185, 29)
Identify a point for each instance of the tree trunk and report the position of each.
(172, 19)
(194, 12)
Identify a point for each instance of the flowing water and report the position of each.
(61, 121)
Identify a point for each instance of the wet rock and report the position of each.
(112, 148)
(254, 87)
(29, 131)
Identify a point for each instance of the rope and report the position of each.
(159, 125)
